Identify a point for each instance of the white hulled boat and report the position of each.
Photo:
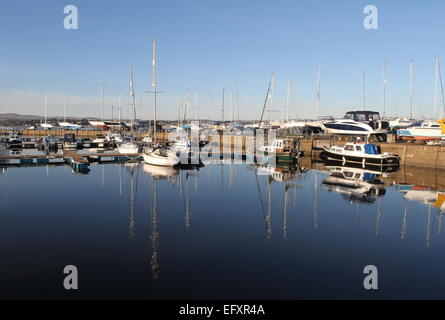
(357, 123)
(130, 146)
(429, 130)
(158, 155)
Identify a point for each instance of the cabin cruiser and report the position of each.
(13, 140)
(128, 147)
(69, 141)
(428, 130)
(362, 153)
(114, 137)
(357, 123)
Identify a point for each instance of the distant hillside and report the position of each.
(27, 117)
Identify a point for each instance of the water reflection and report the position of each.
(355, 184)
(224, 217)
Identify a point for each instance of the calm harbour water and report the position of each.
(225, 231)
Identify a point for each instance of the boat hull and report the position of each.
(391, 160)
(160, 161)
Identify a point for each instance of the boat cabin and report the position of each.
(362, 116)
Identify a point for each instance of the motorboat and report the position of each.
(357, 123)
(363, 153)
(428, 130)
(114, 137)
(128, 147)
(13, 140)
(284, 150)
(69, 141)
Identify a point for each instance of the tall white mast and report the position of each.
(364, 91)
(232, 105)
(436, 84)
(297, 104)
(153, 87)
(385, 81)
(120, 107)
(46, 106)
(132, 103)
(103, 102)
(411, 74)
(288, 99)
(317, 103)
(272, 87)
(64, 110)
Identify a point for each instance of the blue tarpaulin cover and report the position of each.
(371, 149)
(367, 176)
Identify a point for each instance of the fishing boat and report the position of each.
(158, 154)
(284, 150)
(428, 130)
(130, 146)
(357, 123)
(366, 154)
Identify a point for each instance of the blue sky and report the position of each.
(208, 45)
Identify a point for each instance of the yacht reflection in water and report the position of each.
(157, 173)
(288, 175)
(355, 184)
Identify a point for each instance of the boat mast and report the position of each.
(272, 91)
(436, 87)
(385, 81)
(103, 102)
(64, 110)
(153, 86)
(364, 91)
(411, 65)
(317, 104)
(46, 106)
(222, 108)
(288, 99)
(132, 103)
(120, 108)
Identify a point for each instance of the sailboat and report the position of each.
(98, 123)
(158, 154)
(130, 146)
(46, 125)
(67, 125)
